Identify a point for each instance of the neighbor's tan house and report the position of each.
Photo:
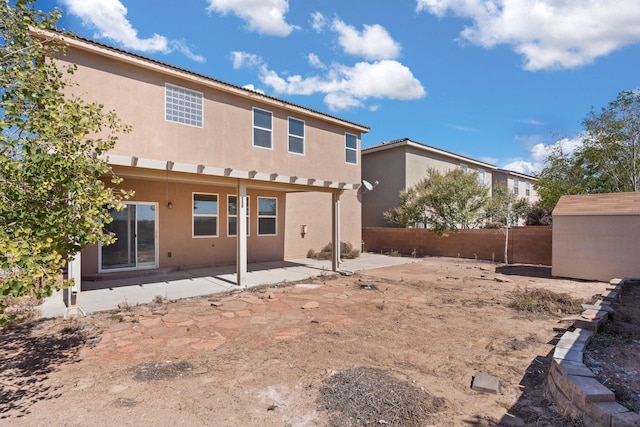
(401, 163)
(518, 183)
(222, 175)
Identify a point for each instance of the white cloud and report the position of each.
(245, 60)
(538, 154)
(374, 42)
(463, 128)
(347, 87)
(261, 16)
(549, 34)
(253, 88)
(318, 22)
(315, 61)
(109, 19)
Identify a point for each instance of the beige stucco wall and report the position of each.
(388, 168)
(175, 227)
(596, 247)
(135, 89)
(314, 210)
(226, 138)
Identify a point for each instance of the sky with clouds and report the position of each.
(496, 80)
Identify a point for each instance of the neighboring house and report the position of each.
(597, 236)
(222, 175)
(400, 164)
(518, 183)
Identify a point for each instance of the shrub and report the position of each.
(346, 252)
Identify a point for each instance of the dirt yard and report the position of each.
(270, 356)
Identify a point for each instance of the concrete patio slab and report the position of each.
(108, 294)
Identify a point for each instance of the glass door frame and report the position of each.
(145, 266)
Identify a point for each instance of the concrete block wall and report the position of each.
(572, 386)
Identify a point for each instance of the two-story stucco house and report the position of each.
(401, 163)
(222, 175)
(518, 183)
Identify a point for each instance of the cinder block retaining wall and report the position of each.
(572, 386)
(527, 245)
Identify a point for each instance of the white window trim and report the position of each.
(481, 176)
(253, 126)
(266, 216)
(527, 189)
(516, 186)
(236, 215)
(195, 92)
(349, 148)
(464, 167)
(193, 215)
(289, 134)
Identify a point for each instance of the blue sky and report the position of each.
(496, 80)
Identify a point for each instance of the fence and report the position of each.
(527, 245)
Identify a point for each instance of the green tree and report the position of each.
(505, 209)
(608, 160)
(444, 202)
(53, 202)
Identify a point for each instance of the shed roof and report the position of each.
(599, 204)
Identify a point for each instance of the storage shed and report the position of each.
(597, 236)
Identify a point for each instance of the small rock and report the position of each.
(216, 304)
(503, 280)
(310, 305)
(94, 340)
(123, 305)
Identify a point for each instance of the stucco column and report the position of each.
(241, 232)
(70, 295)
(335, 231)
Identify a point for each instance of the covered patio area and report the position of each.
(101, 295)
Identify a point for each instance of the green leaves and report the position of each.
(443, 202)
(608, 160)
(52, 199)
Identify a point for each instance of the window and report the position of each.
(232, 215)
(183, 105)
(464, 167)
(262, 126)
(296, 136)
(351, 145)
(527, 189)
(481, 176)
(205, 215)
(267, 216)
(516, 185)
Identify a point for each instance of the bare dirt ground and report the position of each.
(273, 356)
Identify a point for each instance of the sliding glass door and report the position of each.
(135, 228)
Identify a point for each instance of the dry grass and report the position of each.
(544, 301)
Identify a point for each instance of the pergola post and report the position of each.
(241, 232)
(335, 231)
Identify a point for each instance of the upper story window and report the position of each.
(205, 215)
(262, 128)
(267, 216)
(351, 148)
(232, 215)
(481, 176)
(464, 167)
(527, 189)
(296, 136)
(183, 105)
(516, 186)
